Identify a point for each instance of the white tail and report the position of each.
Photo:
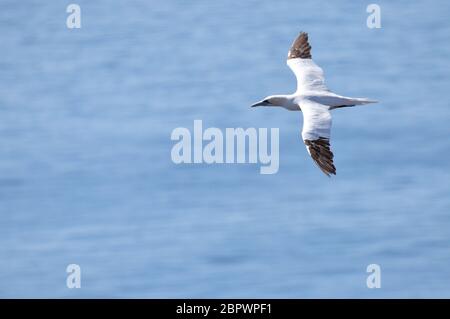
(361, 101)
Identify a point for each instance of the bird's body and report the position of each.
(315, 100)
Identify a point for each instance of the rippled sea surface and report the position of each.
(86, 175)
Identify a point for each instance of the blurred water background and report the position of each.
(86, 175)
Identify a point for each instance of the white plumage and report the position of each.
(309, 75)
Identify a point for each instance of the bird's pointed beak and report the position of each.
(260, 103)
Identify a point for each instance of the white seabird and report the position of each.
(315, 100)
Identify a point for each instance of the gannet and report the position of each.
(315, 100)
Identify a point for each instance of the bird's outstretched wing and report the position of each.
(300, 48)
(316, 134)
(309, 75)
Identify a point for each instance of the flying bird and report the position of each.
(315, 100)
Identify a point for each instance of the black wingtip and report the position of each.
(300, 48)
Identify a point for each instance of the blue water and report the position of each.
(86, 175)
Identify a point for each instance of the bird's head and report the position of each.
(272, 100)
